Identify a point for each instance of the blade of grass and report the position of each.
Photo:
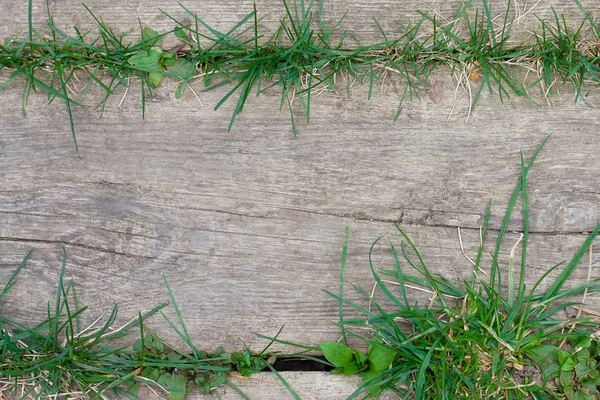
(13, 277)
(341, 286)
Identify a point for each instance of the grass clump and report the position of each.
(487, 337)
(58, 358)
(304, 56)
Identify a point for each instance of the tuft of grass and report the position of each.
(304, 56)
(59, 358)
(487, 337)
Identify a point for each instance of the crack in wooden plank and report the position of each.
(71, 244)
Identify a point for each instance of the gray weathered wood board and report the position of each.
(391, 15)
(265, 386)
(308, 385)
(248, 226)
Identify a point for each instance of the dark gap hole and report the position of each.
(298, 364)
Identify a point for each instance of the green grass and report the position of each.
(304, 55)
(61, 357)
(473, 337)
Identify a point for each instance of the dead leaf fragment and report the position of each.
(475, 74)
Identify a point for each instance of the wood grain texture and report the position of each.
(391, 15)
(266, 386)
(248, 226)
(308, 385)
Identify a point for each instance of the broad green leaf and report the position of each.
(569, 392)
(151, 373)
(147, 61)
(590, 387)
(158, 345)
(551, 371)
(151, 37)
(351, 369)
(338, 354)
(581, 395)
(566, 378)
(168, 59)
(380, 357)
(542, 355)
(585, 342)
(175, 384)
(155, 78)
(566, 361)
(134, 389)
(182, 68)
(174, 357)
(361, 358)
(583, 354)
(218, 379)
(369, 374)
(180, 33)
(583, 371)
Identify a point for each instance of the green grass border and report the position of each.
(304, 55)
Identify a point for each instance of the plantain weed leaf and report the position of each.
(380, 357)
(150, 37)
(182, 68)
(374, 382)
(151, 373)
(147, 61)
(167, 59)
(175, 384)
(155, 78)
(351, 368)
(180, 33)
(361, 358)
(542, 355)
(546, 358)
(218, 379)
(566, 361)
(338, 354)
(584, 369)
(565, 379)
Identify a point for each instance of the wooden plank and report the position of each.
(308, 385)
(266, 386)
(223, 15)
(247, 226)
